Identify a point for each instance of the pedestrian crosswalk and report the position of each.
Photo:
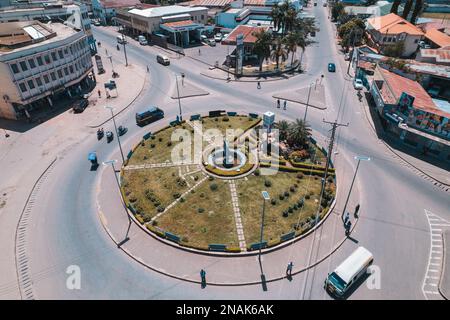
(434, 267)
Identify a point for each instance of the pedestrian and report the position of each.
(99, 93)
(203, 277)
(356, 210)
(258, 85)
(199, 52)
(347, 217)
(107, 95)
(148, 70)
(285, 104)
(278, 103)
(348, 227)
(289, 269)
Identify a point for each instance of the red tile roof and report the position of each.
(176, 24)
(220, 3)
(441, 55)
(438, 37)
(119, 3)
(393, 24)
(397, 84)
(247, 31)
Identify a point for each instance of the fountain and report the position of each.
(226, 158)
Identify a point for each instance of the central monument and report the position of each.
(228, 157)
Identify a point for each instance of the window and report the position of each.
(203, 16)
(39, 61)
(71, 69)
(66, 51)
(54, 57)
(60, 53)
(66, 72)
(31, 63)
(22, 86)
(39, 81)
(30, 84)
(23, 65)
(52, 74)
(60, 75)
(46, 79)
(14, 68)
(47, 59)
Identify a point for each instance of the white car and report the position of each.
(218, 37)
(358, 84)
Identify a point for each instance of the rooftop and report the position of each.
(247, 32)
(393, 24)
(438, 37)
(119, 3)
(396, 85)
(178, 24)
(166, 10)
(441, 55)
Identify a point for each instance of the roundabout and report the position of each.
(209, 203)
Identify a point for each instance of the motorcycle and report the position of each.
(109, 136)
(100, 134)
(118, 48)
(122, 130)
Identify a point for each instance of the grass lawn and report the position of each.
(163, 182)
(214, 224)
(250, 201)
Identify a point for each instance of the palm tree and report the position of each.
(289, 20)
(299, 133)
(262, 45)
(277, 17)
(407, 8)
(294, 40)
(417, 10)
(278, 52)
(283, 129)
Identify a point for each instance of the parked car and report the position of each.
(211, 42)
(358, 84)
(218, 37)
(331, 67)
(324, 4)
(97, 23)
(163, 60)
(80, 105)
(142, 40)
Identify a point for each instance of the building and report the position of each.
(381, 8)
(239, 16)
(180, 25)
(105, 10)
(434, 56)
(248, 38)
(409, 113)
(437, 39)
(385, 32)
(38, 63)
(74, 14)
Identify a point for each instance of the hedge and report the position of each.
(293, 169)
(233, 249)
(140, 219)
(309, 166)
(222, 173)
(156, 231)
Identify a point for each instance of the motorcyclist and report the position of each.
(117, 46)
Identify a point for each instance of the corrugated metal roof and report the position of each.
(438, 37)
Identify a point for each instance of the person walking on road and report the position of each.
(148, 70)
(203, 277)
(99, 93)
(199, 52)
(258, 85)
(278, 103)
(289, 270)
(285, 104)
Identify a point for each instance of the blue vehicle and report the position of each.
(151, 115)
(331, 67)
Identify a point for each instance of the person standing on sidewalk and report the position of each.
(285, 105)
(278, 103)
(289, 270)
(99, 93)
(258, 85)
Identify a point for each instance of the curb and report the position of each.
(191, 95)
(126, 107)
(443, 264)
(235, 80)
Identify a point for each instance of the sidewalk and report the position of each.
(219, 74)
(187, 90)
(444, 283)
(316, 97)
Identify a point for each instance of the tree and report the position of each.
(418, 8)
(299, 133)
(395, 50)
(337, 10)
(407, 8)
(395, 6)
(278, 51)
(292, 41)
(283, 129)
(262, 45)
(289, 20)
(351, 33)
(277, 16)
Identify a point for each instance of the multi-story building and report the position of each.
(386, 32)
(105, 10)
(72, 12)
(38, 63)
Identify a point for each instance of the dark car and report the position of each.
(331, 67)
(80, 105)
(151, 115)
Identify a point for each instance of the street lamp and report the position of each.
(265, 195)
(117, 133)
(307, 102)
(359, 158)
(124, 45)
(111, 162)
(112, 66)
(179, 101)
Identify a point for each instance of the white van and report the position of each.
(121, 39)
(348, 272)
(142, 41)
(162, 60)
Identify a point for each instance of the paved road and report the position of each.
(65, 229)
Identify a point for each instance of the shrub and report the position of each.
(300, 176)
(200, 210)
(295, 206)
(160, 139)
(292, 189)
(213, 186)
(226, 119)
(184, 239)
(143, 143)
(286, 194)
(273, 201)
(153, 137)
(154, 223)
(182, 200)
(161, 208)
(257, 172)
(285, 213)
(152, 145)
(195, 178)
(216, 119)
(290, 210)
(146, 217)
(281, 197)
(202, 195)
(300, 203)
(210, 178)
(307, 197)
(176, 195)
(330, 179)
(169, 143)
(144, 158)
(132, 199)
(268, 183)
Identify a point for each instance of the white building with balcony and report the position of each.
(39, 62)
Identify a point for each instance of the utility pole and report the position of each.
(353, 46)
(179, 102)
(124, 42)
(307, 102)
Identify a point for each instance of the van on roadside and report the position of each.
(142, 41)
(162, 60)
(121, 39)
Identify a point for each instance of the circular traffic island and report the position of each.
(213, 201)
